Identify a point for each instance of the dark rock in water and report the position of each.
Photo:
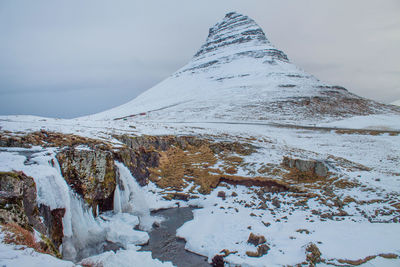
(110, 246)
(218, 261)
(91, 174)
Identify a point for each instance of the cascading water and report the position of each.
(129, 198)
(84, 234)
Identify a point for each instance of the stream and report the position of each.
(166, 246)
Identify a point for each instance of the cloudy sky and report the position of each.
(73, 58)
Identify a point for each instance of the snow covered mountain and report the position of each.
(397, 103)
(239, 75)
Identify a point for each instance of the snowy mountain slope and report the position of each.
(397, 103)
(239, 75)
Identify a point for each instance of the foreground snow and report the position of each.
(11, 255)
(218, 225)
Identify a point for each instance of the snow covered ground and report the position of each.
(379, 122)
(226, 224)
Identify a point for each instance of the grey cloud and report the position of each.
(98, 54)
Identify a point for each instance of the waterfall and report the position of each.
(130, 197)
(82, 232)
(85, 235)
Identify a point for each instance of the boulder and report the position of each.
(256, 239)
(315, 167)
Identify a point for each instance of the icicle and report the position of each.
(117, 200)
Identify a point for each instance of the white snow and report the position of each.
(11, 256)
(374, 122)
(124, 258)
(397, 103)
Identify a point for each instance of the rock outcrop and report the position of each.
(19, 210)
(306, 169)
(18, 201)
(91, 174)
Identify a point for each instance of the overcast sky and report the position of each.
(73, 58)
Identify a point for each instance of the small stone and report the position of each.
(221, 194)
(276, 203)
(261, 250)
(267, 224)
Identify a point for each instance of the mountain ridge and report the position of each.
(238, 75)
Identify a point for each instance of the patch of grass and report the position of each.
(15, 234)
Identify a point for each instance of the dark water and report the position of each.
(165, 246)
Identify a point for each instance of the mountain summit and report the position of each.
(237, 32)
(238, 75)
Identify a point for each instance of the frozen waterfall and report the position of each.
(129, 198)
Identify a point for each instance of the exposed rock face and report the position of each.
(47, 139)
(173, 161)
(313, 167)
(54, 224)
(91, 174)
(236, 31)
(138, 162)
(18, 206)
(18, 201)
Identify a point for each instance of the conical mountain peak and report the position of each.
(235, 37)
(238, 75)
(233, 30)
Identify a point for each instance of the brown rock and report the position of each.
(218, 261)
(221, 194)
(313, 255)
(261, 250)
(256, 239)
